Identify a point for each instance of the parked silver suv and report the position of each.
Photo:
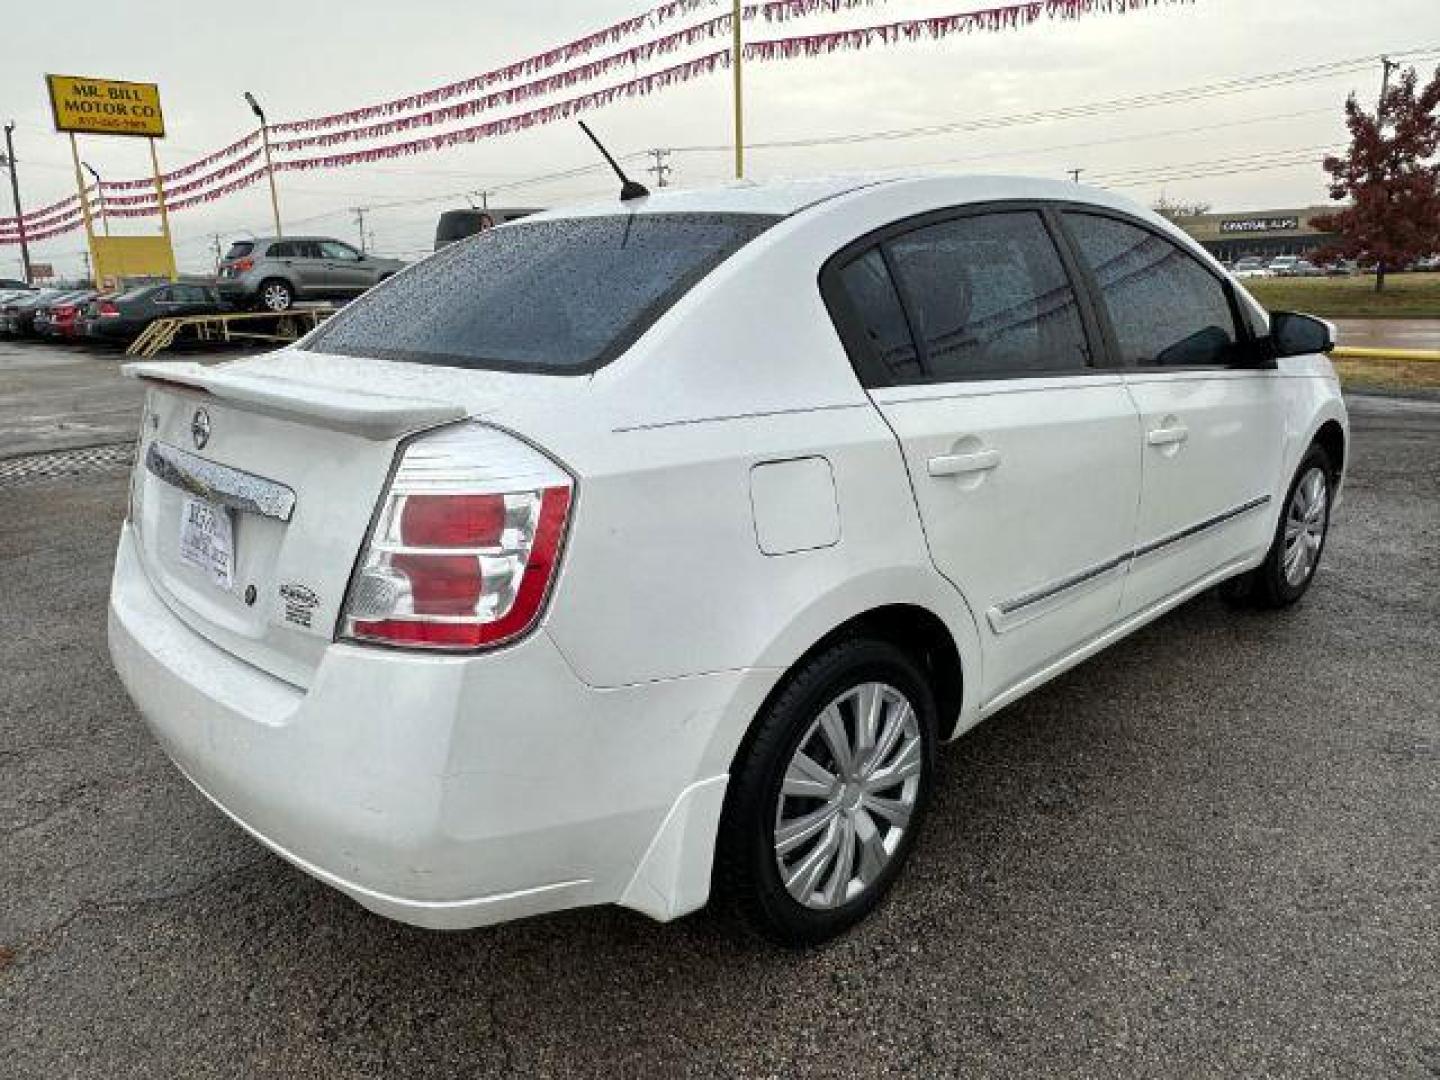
(272, 272)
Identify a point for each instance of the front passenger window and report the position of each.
(1166, 308)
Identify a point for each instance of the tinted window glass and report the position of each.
(876, 305)
(239, 249)
(284, 249)
(333, 249)
(544, 296)
(990, 296)
(1166, 308)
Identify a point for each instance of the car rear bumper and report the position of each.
(442, 791)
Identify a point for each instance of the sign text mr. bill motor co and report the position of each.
(105, 106)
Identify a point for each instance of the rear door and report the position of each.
(1212, 422)
(976, 347)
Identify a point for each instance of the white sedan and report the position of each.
(650, 550)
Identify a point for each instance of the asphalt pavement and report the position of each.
(1210, 851)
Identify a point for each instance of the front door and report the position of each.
(346, 271)
(1212, 427)
(1020, 453)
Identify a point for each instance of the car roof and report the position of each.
(784, 197)
(286, 239)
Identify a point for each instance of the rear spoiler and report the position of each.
(357, 412)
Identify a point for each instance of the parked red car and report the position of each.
(66, 318)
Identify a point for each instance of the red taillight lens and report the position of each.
(240, 266)
(108, 310)
(464, 550)
(453, 520)
(441, 584)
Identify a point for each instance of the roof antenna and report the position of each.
(629, 189)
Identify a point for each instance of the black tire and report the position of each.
(280, 289)
(747, 875)
(1268, 586)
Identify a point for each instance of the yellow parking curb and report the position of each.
(1356, 353)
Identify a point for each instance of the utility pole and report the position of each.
(9, 157)
(1388, 66)
(86, 256)
(269, 165)
(359, 212)
(215, 247)
(660, 169)
(1075, 174)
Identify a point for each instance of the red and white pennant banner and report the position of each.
(775, 11)
(1006, 17)
(187, 170)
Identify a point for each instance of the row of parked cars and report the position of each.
(70, 314)
(1256, 266)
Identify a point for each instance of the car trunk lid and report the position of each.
(252, 496)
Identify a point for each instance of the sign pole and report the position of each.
(160, 194)
(85, 208)
(737, 49)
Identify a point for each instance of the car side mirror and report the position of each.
(1299, 335)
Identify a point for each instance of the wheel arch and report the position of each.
(942, 642)
(1331, 438)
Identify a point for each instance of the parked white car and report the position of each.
(648, 550)
(1252, 266)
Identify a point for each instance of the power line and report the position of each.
(1183, 95)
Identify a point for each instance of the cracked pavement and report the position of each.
(1210, 851)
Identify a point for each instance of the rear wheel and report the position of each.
(275, 295)
(1299, 540)
(825, 802)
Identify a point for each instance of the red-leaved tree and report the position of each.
(1391, 178)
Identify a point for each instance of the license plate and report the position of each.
(207, 540)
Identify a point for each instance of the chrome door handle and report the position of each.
(1168, 436)
(960, 464)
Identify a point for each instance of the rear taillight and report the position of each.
(108, 310)
(465, 547)
(240, 266)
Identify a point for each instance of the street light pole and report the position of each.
(100, 195)
(15, 195)
(269, 165)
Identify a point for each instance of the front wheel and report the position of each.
(1299, 540)
(825, 802)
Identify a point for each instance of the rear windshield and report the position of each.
(240, 248)
(554, 297)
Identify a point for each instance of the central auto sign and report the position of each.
(1254, 225)
(105, 106)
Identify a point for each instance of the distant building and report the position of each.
(1265, 233)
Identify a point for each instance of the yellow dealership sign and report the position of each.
(105, 106)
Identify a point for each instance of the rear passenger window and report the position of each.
(989, 296)
(1166, 308)
(283, 250)
(876, 305)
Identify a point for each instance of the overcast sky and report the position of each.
(305, 58)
